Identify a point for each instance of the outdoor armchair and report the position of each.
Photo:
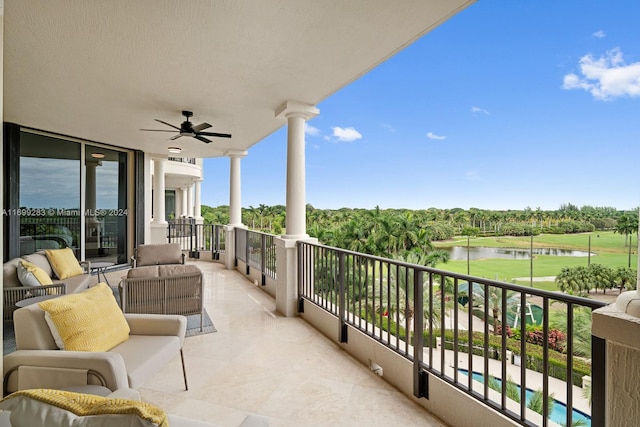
(160, 254)
(154, 340)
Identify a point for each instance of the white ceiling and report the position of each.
(101, 70)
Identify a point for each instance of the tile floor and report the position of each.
(282, 368)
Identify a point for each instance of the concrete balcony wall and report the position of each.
(445, 401)
(256, 277)
(178, 168)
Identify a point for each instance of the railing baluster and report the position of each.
(418, 338)
(545, 362)
(470, 335)
(569, 382)
(455, 330)
(364, 276)
(523, 356)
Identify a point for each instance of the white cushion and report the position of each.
(30, 274)
(28, 410)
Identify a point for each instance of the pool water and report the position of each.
(559, 413)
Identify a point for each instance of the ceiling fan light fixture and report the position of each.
(175, 150)
(97, 155)
(189, 129)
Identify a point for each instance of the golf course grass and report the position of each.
(607, 248)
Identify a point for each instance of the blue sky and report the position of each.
(508, 104)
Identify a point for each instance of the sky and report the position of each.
(507, 105)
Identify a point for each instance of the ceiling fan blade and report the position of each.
(201, 126)
(175, 137)
(202, 138)
(158, 130)
(165, 123)
(219, 135)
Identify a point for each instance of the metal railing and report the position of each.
(257, 250)
(464, 330)
(189, 160)
(197, 237)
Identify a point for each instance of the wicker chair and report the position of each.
(171, 289)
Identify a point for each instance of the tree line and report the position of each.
(389, 232)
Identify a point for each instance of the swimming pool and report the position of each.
(559, 413)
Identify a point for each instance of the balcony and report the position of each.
(280, 367)
(359, 303)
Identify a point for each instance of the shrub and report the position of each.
(534, 357)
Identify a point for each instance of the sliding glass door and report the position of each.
(73, 194)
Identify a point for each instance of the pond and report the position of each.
(458, 253)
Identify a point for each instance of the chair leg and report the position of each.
(184, 371)
(201, 320)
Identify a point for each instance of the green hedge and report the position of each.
(557, 361)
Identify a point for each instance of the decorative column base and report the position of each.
(159, 232)
(230, 245)
(287, 277)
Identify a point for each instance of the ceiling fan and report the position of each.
(188, 129)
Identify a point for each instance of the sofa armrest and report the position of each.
(157, 324)
(108, 365)
(14, 294)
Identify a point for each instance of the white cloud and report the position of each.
(478, 110)
(432, 135)
(346, 134)
(310, 130)
(606, 77)
(599, 34)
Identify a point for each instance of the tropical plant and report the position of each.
(535, 402)
(495, 296)
(627, 224)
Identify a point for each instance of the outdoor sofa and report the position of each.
(14, 290)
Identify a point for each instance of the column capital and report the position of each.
(236, 153)
(296, 109)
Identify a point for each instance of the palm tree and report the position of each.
(581, 328)
(536, 402)
(396, 298)
(494, 295)
(624, 276)
(627, 224)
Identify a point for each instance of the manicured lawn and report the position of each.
(608, 247)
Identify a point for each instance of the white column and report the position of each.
(185, 208)
(296, 114)
(179, 211)
(158, 191)
(197, 214)
(158, 225)
(235, 206)
(235, 191)
(90, 201)
(190, 201)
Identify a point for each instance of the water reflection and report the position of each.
(460, 253)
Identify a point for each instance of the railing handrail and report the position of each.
(323, 275)
(594, 304)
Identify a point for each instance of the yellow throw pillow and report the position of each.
(56, 408)
(63, 262)
(89, 320)
(28, 271)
